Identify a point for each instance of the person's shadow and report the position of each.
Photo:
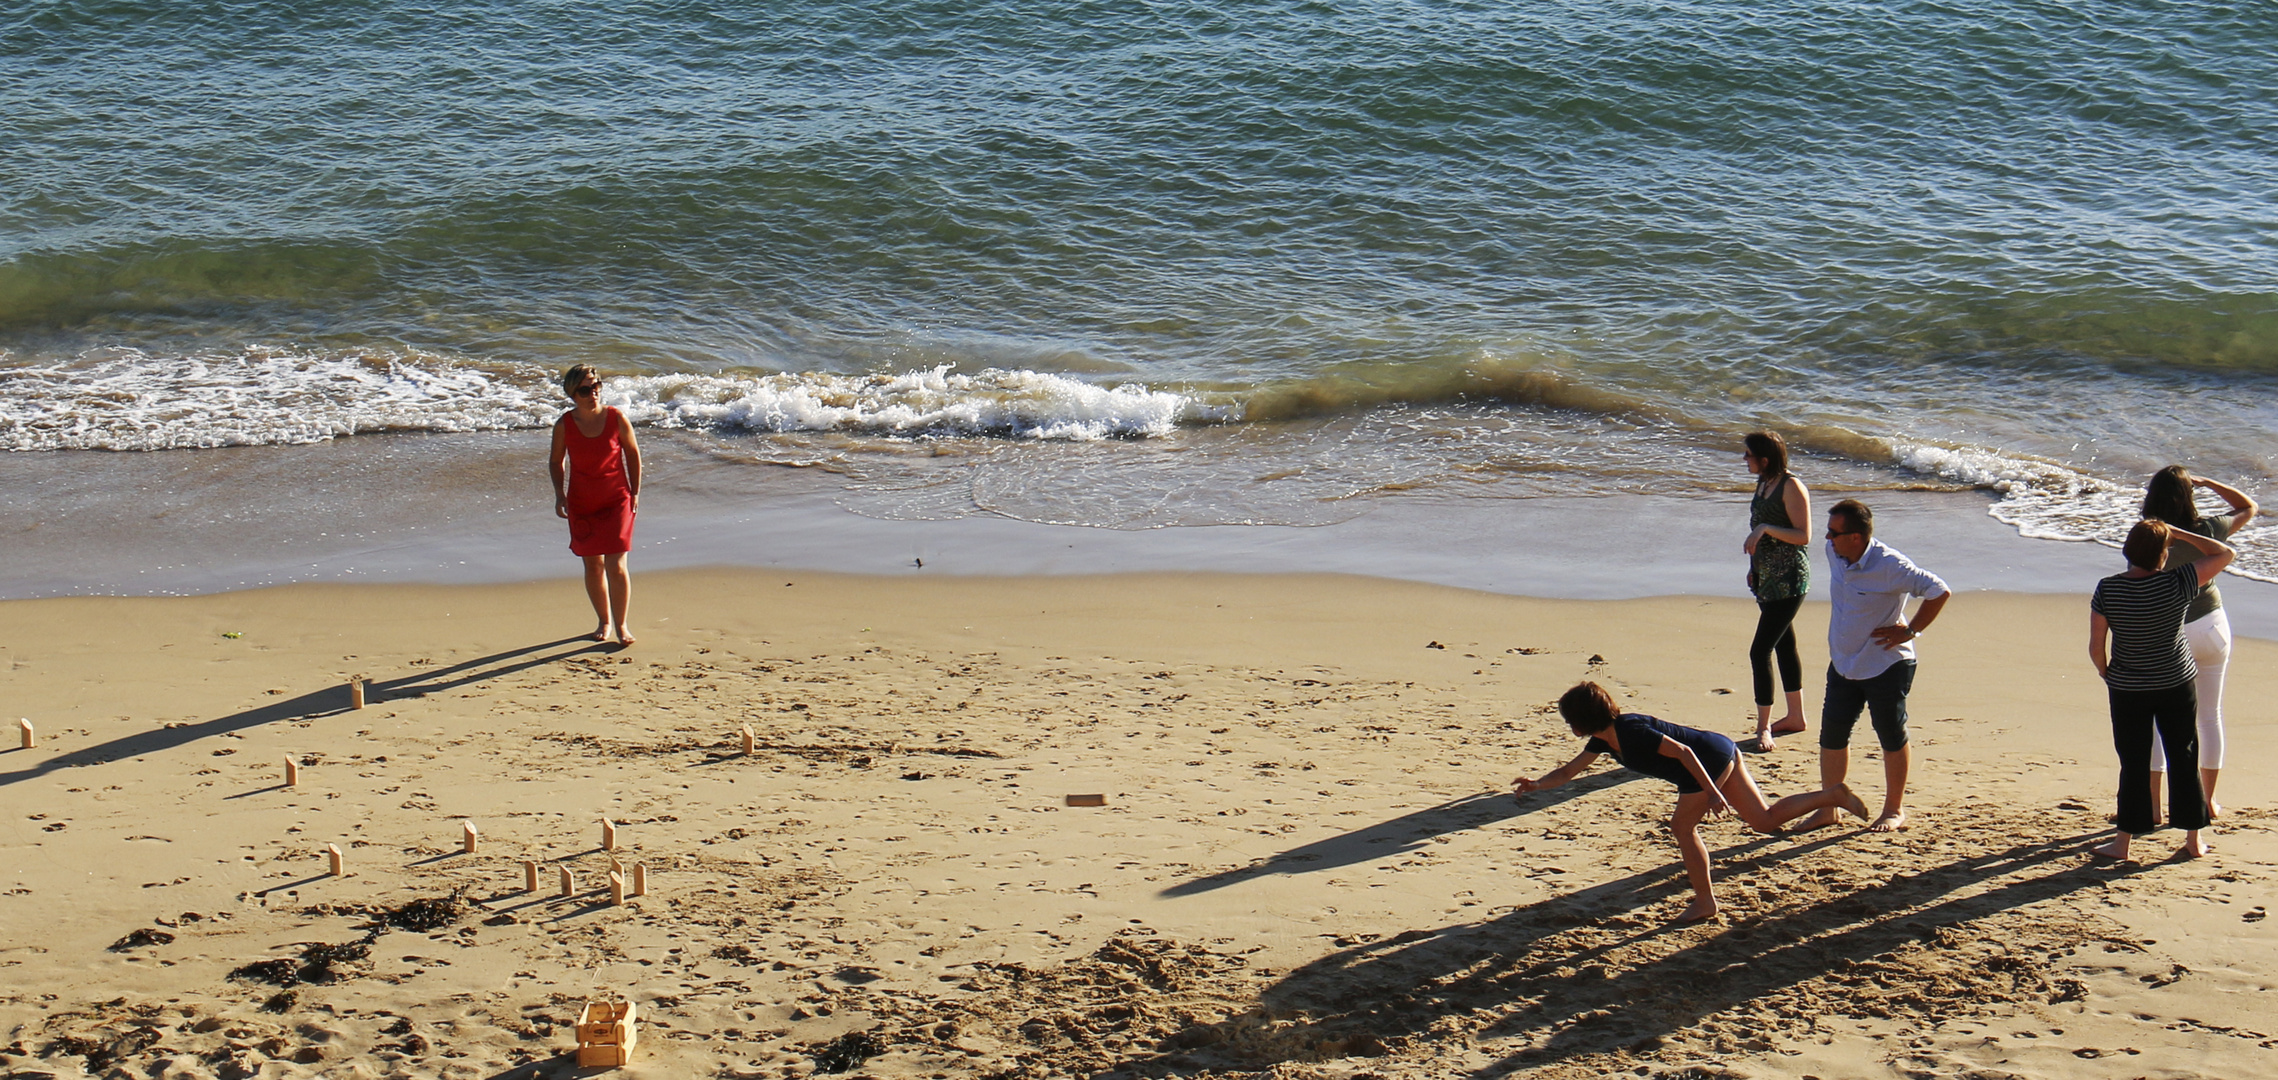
(330, 701)
(1402, 834)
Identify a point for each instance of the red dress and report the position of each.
(600, 501)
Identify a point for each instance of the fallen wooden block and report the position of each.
(529, 875)
(605, 1034)
(292, 773)
(608, 835)
(569, 884)
(617, 889)
(31, 737)
(640, 879)
(1087, 800)
(339, 861)
(472, 838)
(356, 693)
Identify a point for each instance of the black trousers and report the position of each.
(1775, 633)
(2172, 717)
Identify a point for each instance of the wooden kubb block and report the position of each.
(605, 1034)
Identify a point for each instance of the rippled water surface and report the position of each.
(1155, 264)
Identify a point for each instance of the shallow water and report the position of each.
(1162, 265)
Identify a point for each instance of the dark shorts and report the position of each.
(1882, 697)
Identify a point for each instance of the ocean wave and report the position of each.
(937, 402)
(125, 399)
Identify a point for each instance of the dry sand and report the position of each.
(1308, 864)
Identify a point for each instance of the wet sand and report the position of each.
(1307, 864)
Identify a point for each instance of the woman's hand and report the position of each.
(1717, 804)
(561, 506)
(1748, 547)
(1525, 785)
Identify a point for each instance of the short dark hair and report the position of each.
(575, 375)
(1769, 448)
(1587, 708)
(1856, 517)
(2147, 543)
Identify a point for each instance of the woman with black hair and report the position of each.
(2171, 496)
(1779, 573)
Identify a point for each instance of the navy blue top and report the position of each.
(1640, 751)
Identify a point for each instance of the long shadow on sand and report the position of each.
(1402, 834)
(330, 701)
(1552, 975)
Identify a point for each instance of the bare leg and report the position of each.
(598, 592)
(2194, 845)
(1686, 825)
(1748, 801)
(1793, 722)
(2207, 784)
(1764, 740)
(2158, 805)
(1895, 764)
(1834, 765)
(620, 593)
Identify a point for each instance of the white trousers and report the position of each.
(2210, 641)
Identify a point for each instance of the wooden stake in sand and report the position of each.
(529, 875)
(569, 885)
(339, 861)
(292, 773)
(617, 889)
(32, 738)
(640, 879)
(750, 744)
(472, 838)
(356, 692)
(608, 835)
(616, 867)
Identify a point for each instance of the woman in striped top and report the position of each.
(2148, 675)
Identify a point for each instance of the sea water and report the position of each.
(1136, 266)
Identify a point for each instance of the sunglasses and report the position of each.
(1833, 533)
(586, 388)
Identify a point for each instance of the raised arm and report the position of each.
(2243, 508)
(1555, 777)
(2213, 554)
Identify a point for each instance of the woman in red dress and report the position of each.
(597, 487)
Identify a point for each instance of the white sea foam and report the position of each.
(2049, 501)
(124, 399)
(1014, 404)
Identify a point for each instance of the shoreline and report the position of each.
(1308, 864)
(444, 509)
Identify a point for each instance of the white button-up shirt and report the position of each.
(1868, 594)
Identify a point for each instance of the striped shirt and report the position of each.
(2146, 617)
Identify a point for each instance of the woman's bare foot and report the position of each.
(1789, 725)
(2194, 846)
(2117, 849)
(1851, 801)
(600, 633)
(1761, 744)
(2214, 810)
(1891, 821)
(624, 636)
(1821, 818)
(1701, 909)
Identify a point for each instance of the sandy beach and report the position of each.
(1307, 864)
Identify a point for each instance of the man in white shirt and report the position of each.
(1870, 653)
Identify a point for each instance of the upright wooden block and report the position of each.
(617, 889)
(31, 737)
(750, 743)
(471, 840)
(339, 861)
(608, 835)
(640, 879)
(292, 773)
(356, 693)
(568, 884)
(529, 875)
(616, 867)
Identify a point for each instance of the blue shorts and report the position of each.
(1883, 697)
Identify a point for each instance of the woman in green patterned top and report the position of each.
(1779, 573)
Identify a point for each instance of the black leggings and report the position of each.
(1775, 632)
